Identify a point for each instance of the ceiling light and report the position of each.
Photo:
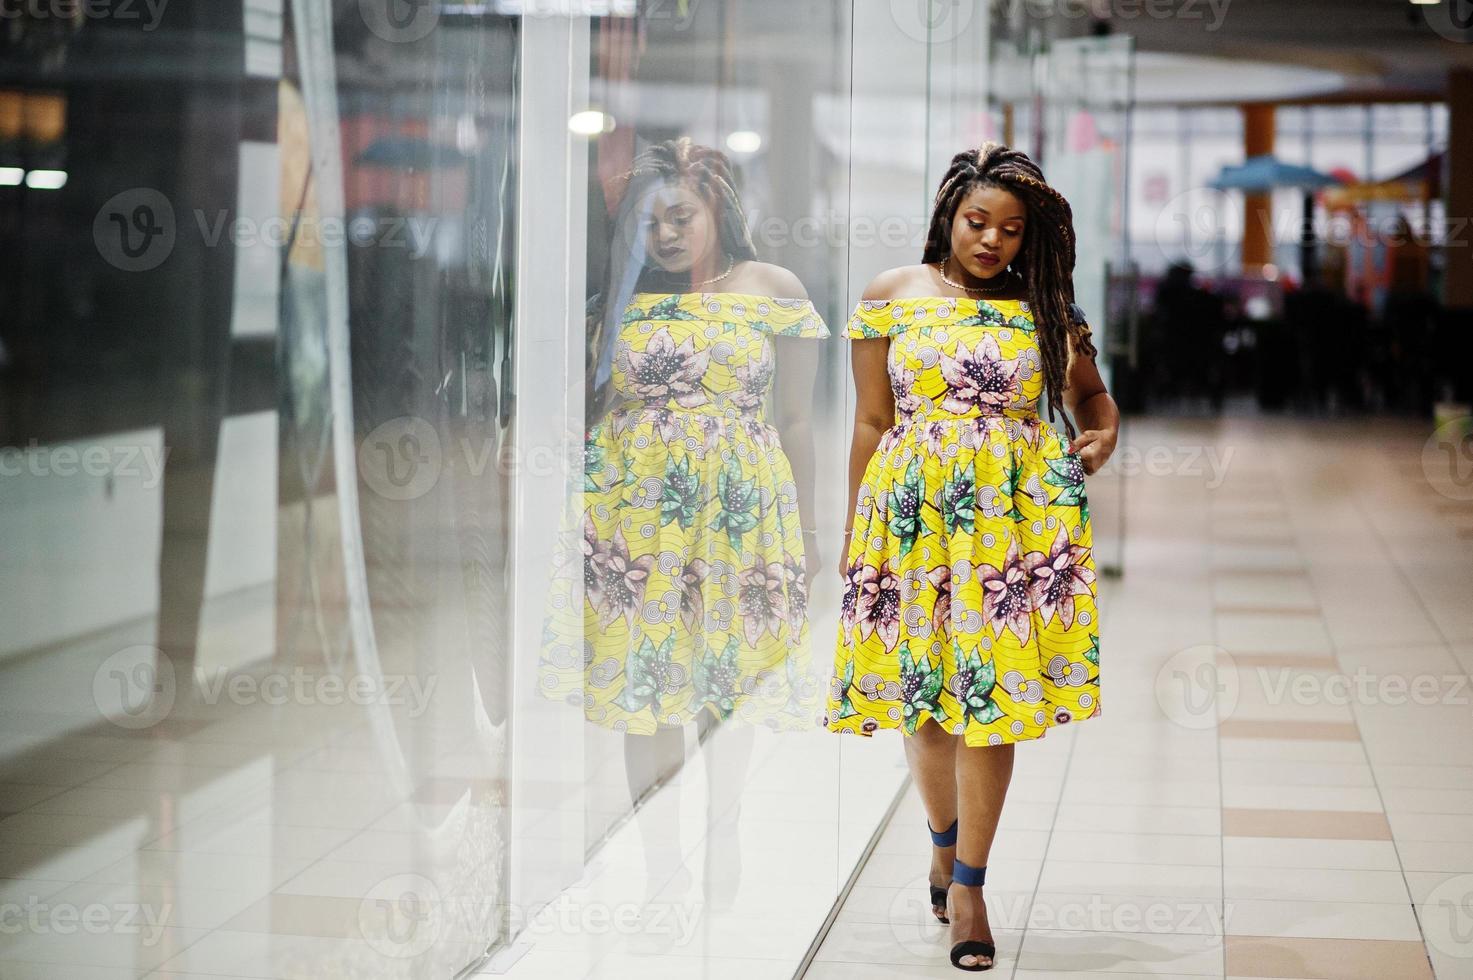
(46, 180)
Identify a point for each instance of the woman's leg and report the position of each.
(649, 760)
(728, 752)
(982, 776)
(931, 755)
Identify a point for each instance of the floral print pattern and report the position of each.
(969, 595)
(693, 595)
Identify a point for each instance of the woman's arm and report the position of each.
(1095, 414)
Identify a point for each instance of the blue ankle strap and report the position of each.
(943, 838)
(966, 875)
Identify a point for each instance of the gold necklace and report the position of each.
(730, 264)
(1007, 280)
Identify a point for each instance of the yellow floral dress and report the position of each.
(970, 582)
(688, 544)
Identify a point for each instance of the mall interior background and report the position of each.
(292, 369)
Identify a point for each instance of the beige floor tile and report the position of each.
(1321, 919)
(1306, 852)
(1109, 954)
(1315, 884)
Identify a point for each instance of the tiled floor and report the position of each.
(1281, 784)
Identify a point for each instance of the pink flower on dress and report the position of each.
(663, 371)
(980, 378)
(940, 578)
(795, 577)
(1005, 598)
(902, 387)
(692, 603)
(853, 585)
(752, 381)
(621, 580)
(877, 608)
(762, 603)
(1059, 577)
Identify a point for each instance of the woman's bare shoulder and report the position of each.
(901, 282)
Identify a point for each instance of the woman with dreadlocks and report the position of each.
(969, 616)
(690, 541)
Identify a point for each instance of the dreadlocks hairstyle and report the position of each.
(1045, 262)
(704, 170)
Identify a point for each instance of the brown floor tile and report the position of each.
(1329, 731)
(1332, 959)
(1308, 661)
(1232, 609)
(1319, 824)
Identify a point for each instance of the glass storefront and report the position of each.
(320, 320)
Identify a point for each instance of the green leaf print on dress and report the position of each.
(738, 500)
(716, 676)
(593, 461)
(905, 507)
(665, 309)
(845, 685)
(959, 498)
(680, 499)
(920, 689)
(1004, 504)
(974, 683)
(646, 675)
(1067, 473)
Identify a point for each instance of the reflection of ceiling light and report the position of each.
(591, 122)
(1427, 3)
(11, 176)
(46, 180)
(467, 136)
(744, 141)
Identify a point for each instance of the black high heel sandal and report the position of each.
(969, 877)
(943, 838)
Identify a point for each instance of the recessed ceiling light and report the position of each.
(744, 141)
(591, 122)
(46, 180)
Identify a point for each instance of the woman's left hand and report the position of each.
(1094, 447)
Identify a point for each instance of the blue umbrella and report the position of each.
(1265, 172)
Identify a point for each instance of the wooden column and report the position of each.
(1258, 139)
(1457, 289)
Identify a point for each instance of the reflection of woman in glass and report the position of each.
(969, 616)
(694, 556)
